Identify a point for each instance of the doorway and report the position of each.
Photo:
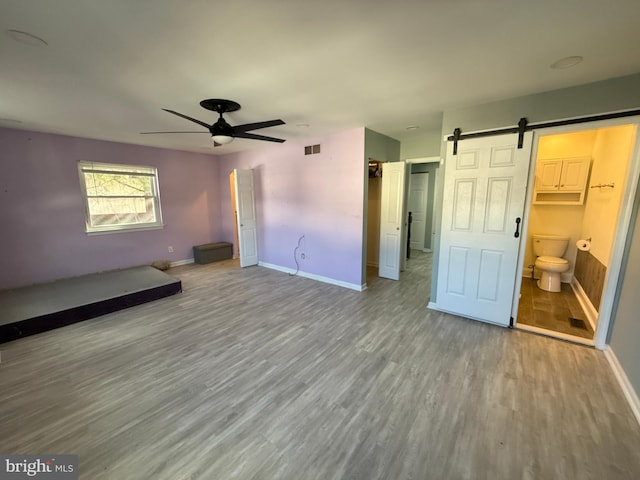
(472, 278)
(421, 200)
(392, 235)
(244, 215)
(373, 218)
(577, 188)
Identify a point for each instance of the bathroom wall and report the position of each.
(564, 220)
(611, 153)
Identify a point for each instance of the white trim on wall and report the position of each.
(313, 276)
(177, 263)
(629, 393)
(423, 160)
(585, 303)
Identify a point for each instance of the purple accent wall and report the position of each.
(42, 213)
(319, 196)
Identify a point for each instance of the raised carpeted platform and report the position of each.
(38, 308)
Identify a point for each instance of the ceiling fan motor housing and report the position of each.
(222, 131)
(221, 127)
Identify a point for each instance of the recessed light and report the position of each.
(302, 125)
(27, 38)
(413, 127)
(566, 62)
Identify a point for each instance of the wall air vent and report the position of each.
(312, 149)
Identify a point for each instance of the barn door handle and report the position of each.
(517, 234)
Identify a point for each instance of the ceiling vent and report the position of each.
(312, 149)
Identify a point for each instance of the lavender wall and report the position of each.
(319, 196)
(42, 214)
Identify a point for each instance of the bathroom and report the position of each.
(581, 220)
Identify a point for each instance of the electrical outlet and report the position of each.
(170, 249)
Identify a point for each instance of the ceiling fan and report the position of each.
(221, 132)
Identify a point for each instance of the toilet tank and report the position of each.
(550, 245)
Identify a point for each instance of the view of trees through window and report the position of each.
(119, 196)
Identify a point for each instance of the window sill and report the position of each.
(107, 231)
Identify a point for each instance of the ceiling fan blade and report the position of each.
(253, 136)
(255, 126)
(199, 122)
(151, 133)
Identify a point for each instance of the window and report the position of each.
(120, 197)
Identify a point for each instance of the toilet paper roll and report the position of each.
(584, 245)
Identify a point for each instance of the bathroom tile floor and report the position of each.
(550, 310)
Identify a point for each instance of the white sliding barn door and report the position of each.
(484, 194)
(246, 217)
(392, 221)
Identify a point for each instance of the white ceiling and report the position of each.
(111, 65)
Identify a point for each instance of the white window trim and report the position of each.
(84, 166)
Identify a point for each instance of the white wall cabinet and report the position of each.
(561, 181)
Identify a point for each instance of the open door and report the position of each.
(245, 217)
(484, 195)
(392, 220)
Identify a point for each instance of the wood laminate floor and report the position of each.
(552, 310)
(255, 374)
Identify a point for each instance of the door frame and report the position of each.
(426, 204)
(617, 258)
(428, 160)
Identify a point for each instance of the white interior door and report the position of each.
(418, 194)
(246, 217)
(484, 194)
(392, 224)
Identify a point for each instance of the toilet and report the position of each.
(549, 250)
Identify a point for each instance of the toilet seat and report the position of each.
(553, 260)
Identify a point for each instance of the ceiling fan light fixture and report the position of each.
(222, 139)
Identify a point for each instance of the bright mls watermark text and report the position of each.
(50, 467)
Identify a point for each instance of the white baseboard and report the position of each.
(177, 263)
(585, 303)
(628, 390)
(313, 276)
